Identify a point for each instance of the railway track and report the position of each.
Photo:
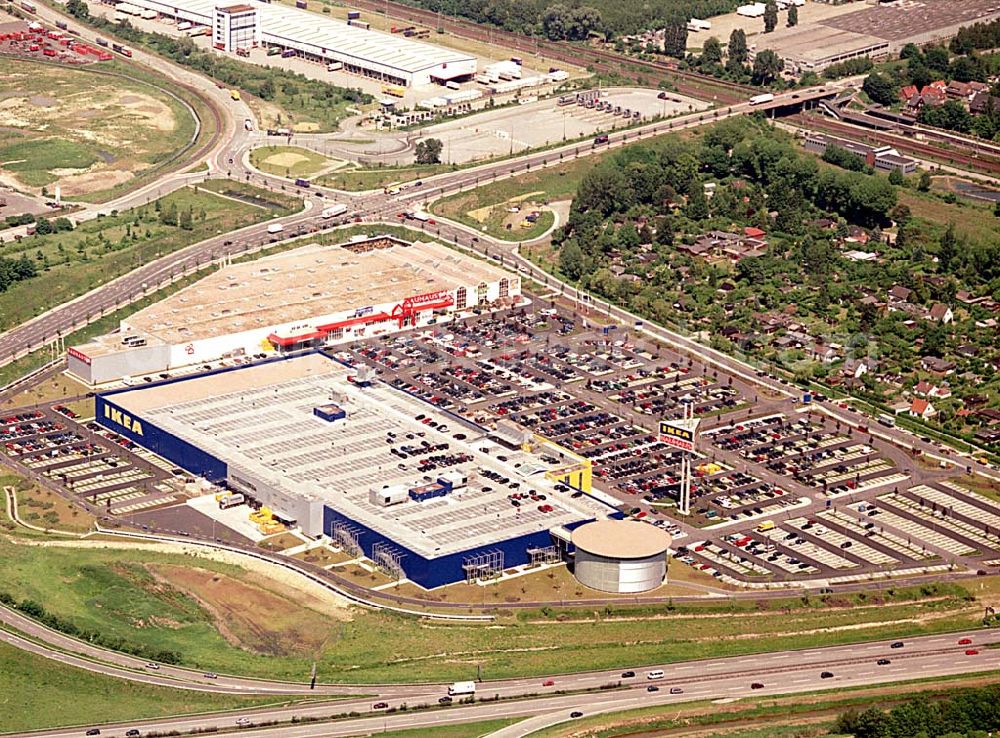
(687, 83)
(982, 162)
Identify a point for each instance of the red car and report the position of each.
(549, 683)
(971, 652)
(965, 642)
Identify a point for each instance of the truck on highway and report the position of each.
(461, 688)
(761, 99)
(275, 228)
(418, 215)
(333, 211)
(302, 182)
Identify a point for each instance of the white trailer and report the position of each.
(760, 99)
(275, 228)
(334, 210)
(462, 688)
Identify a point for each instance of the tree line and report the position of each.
(37, 612)
(15, 270)
(565, 20)
(968, 714)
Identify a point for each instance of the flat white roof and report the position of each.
(260, 421)
(307, 283)
(280, 24)
(621, 539)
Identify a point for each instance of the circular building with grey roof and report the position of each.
(621, 556)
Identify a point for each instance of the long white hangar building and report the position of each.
(392, 59)
(305, 298)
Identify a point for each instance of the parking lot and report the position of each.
(521, 127)
(89, 462)
(599, 392)
(781, 490)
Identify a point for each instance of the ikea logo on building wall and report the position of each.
(125, 421)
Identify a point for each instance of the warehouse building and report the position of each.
(349, 460)
(299, 299)
(874, 31)
(621, 556)
(392, 59)
(883, 158)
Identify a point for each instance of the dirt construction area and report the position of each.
(83, 131)
(514, 129)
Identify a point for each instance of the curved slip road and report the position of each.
(786, 672)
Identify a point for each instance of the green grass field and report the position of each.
(34, 159)
(92, 143)
(558, 182)
(358, 180)
(931, 215)
(288, 161)
(72, 263)
(41, 693)
(114, 591)
(466, 730)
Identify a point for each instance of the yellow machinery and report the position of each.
(577, 471)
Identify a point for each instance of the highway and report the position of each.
(779, 673)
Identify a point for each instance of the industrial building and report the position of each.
(378, 470)
(883, 158)
(392, 59)
(621, 556)
(874, 31)
(299, 299)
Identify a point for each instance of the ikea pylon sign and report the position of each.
(676, 436)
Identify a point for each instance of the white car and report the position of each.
(152, 666)
(243, 721)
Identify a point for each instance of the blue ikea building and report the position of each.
(428, 571)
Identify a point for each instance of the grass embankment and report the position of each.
(465, 730)
(288, 161)
(932, 214)
(43, 508)
(152, 599)
(486, 208)
(41, 693)
(74, 262)
(56, 388)
(359, 180)
(87, 144)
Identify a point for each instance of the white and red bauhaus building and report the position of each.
(304, 298)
